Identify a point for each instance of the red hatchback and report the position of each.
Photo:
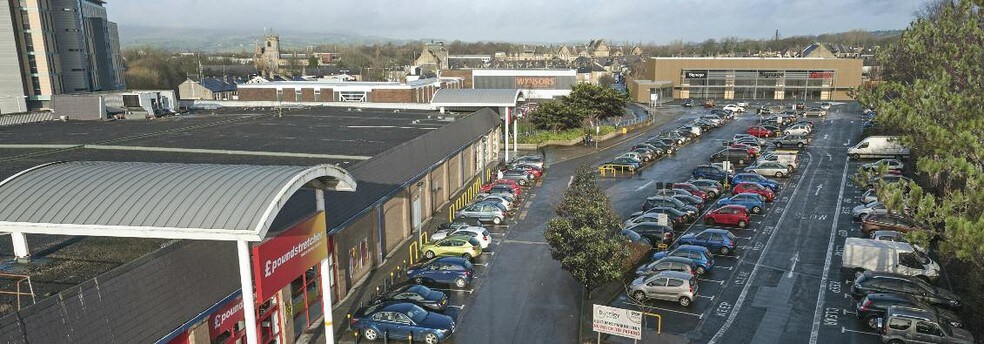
(730, 215)
(535, 171)
(752, 150)
(506, 182)
(755, 188)
(759, 131)
(692, 189)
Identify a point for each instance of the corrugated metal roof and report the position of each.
(476, 97)
(158, 200)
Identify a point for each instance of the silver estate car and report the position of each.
(483, 212)
(769, 169)
(675, 286)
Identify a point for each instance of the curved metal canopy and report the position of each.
(157, 200)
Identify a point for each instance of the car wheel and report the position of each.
(460, 283)
(418, 280)
(466, 256)
(864, 216)
(370, 334)
(742, 224)
(856, 156)
(430, 338)
(800, 145)
(684, 301)
(709, 221)
(429, 254)
(896, 341)
(497, 220)
(779, 144)
(712, 194)
(756, 210)
(700, 270)
(872, 321)
(779, 174)
(639, 296)
(523, 182)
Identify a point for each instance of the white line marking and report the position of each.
(457, 306)
(751, 276)
(721, 282)
(707, 297)
(824, 136)
(795, 259)
(524, 242)
(815, 331)
(456, 290)
(570, 181)
(844, 330)
(846, 312)
(645, 186)
(818, 190)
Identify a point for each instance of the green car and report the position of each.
(453, 246)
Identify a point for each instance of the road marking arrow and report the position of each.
(795, 259)
(818, 190)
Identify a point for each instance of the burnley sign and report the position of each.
(617, 321)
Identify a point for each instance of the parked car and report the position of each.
(709, 103)
(401, 321)
(869, 196)
(680, 264)
(624, 162)
(426, 298)
(534, 160)
(464, 246)
(665, 201)
(632, 155)
(484, 212)
(645, 153)
(862, 211)
(882, 256)
(507, 201)
(688, 103)
(729, 215)
(667, 285)
(479, 233)
(455, 271)
(891, 222)
(888, 236)
(891, 165)
(713, 188)
(908, 325)
(699, 254)
(536, 172)
(789, 160)
(886, 179)
(755, 178)
(879, 146)
(633, 237)
(665, 146)
(870, 282)
(760, 131)
(512, 184)
(874, 306)
(692, 189)
(521, 177)
(798, 141)
(775, 127)
(712, 173)
(690, 200)
(755, 188)
(825, 106)
(715, 239)
(750, 201)
(653, 215)
(769, 169)
(736, 156)
(798, 129)
(677, 139)
(818, 112)
(752, 149)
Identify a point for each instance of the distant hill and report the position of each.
(209, 40)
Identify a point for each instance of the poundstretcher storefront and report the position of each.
(758, 78)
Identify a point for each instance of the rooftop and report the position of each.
(300, 137)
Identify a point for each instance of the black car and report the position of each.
(870, 283)
(419, 295)
(652, 231)
(632, 236)
(677, 216)
(688, 103)
(667, 147)
(737, 156)
(666, 201)
(874, 306)
(691, 200)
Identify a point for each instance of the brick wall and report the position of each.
(258, 94)
(307, 94)
(391, 96)
(460, 73)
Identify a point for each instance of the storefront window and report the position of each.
(306, 303)
(269, 319)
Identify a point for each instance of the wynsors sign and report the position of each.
(695, 74)
(280, 260)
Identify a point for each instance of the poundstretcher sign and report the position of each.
(617, 321)
(280, 260)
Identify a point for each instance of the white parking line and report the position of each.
(524, 242)
(707, 297)
(721, 282)
(846, 312)
(645, 186)
(456, 290)
(815, 331)
(457, 306)
(844, 330)
(632, 301)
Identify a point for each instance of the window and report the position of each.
(306, 302)
(297, 94)
(659, 282)
(675, 283)
(364, 247)
(899, 324)
(925, 327)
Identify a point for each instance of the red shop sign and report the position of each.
(280, 260)
(225, 318)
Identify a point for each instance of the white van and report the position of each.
(877, 147)
(887, 257)
(790, 159)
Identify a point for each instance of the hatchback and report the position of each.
(667, 264)
(891, 222)
(729, 215)
(692, 189)
(755, 178)
(401, 321)
(485, 212)
(862, 211)
(870, 282)
(712, 173)
(479, 233)
(714, 239)
(446, 270)
(699, 254)
(752, 202)
(713, 188)
(754, 188)
(667, 285)
(653, 231)
(874, 306)
(419, 295)
(464, 246)
(766, 168)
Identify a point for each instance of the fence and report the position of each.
(24, 118)
(616, 170)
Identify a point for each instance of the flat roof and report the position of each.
(740, 58)
(344, 85)
(301, 137)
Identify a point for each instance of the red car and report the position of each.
(755, 188)
(752, 150)
(692, 189)
(759, 131)
(504, 182)
(533, 170)
(730, 215)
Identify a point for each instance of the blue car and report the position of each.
(755, 178)
(715, 239)
(752, 202)
(625, 162)
(711, 172)
(455, 271)
(401, 321)
(699, 254)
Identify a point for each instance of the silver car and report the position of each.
(667, 285)
(903, 324)
(483, 212)
(769, 169)
(862, 212)
(869, 196)
(532, 160)
(799, 141)
(680, 264)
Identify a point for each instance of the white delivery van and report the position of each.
(789, 159)
(877, 147)
(887, 257)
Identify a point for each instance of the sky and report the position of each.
(644, 21)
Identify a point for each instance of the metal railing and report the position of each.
(19, 294)
(616, 170)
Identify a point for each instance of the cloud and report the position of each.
(657, 21)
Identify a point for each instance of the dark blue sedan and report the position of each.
(402, 321)
(755, 178)
(419, 295)
(456, 271)
(700, 255)
(714, 239)
(752, 202)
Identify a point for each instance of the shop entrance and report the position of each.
(305, 292)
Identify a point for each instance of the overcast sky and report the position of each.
(658, 21)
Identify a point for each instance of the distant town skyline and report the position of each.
(527, 20)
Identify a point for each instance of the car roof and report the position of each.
(692, 248)
(674, 274)
(676, 260)
(715, 230)
(910, 312)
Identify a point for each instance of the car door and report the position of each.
(702, 239)
(928, 332)
(656, 288)
(388, 327)
(403, 326)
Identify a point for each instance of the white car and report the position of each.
(799, 129)
(733, 108)
(743, 105)
(479, 233)
(862, 212)
(632, 155)
(825, 106)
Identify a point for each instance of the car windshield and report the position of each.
(921, 257)
(416, 314)
(419, 290)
